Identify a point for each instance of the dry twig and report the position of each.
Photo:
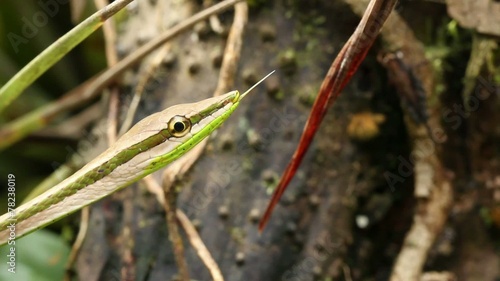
(177, 169)
(80, 238)
(73, 127)
(199, 246)
(173, 232)
(139, 89)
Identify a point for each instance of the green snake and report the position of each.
(151, 144)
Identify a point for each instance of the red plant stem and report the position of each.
(342, 69)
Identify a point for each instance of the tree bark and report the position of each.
(339, 219)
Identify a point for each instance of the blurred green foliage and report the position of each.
(39, 256)
(26, 29)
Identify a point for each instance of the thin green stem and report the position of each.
(41, 63)
(20, 128)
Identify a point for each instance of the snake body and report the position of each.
(151, 144)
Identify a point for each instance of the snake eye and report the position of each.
(179, 126)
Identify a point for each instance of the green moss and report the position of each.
(287, 61)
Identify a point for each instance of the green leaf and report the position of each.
(39, 256)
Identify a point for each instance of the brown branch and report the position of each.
(80, 238)
(232, 54)
(144, 78)
(173, 232)
(111, 128)
(199, 246)
(177, 169)
(73, 127)
(432, 187)
(109, 30)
